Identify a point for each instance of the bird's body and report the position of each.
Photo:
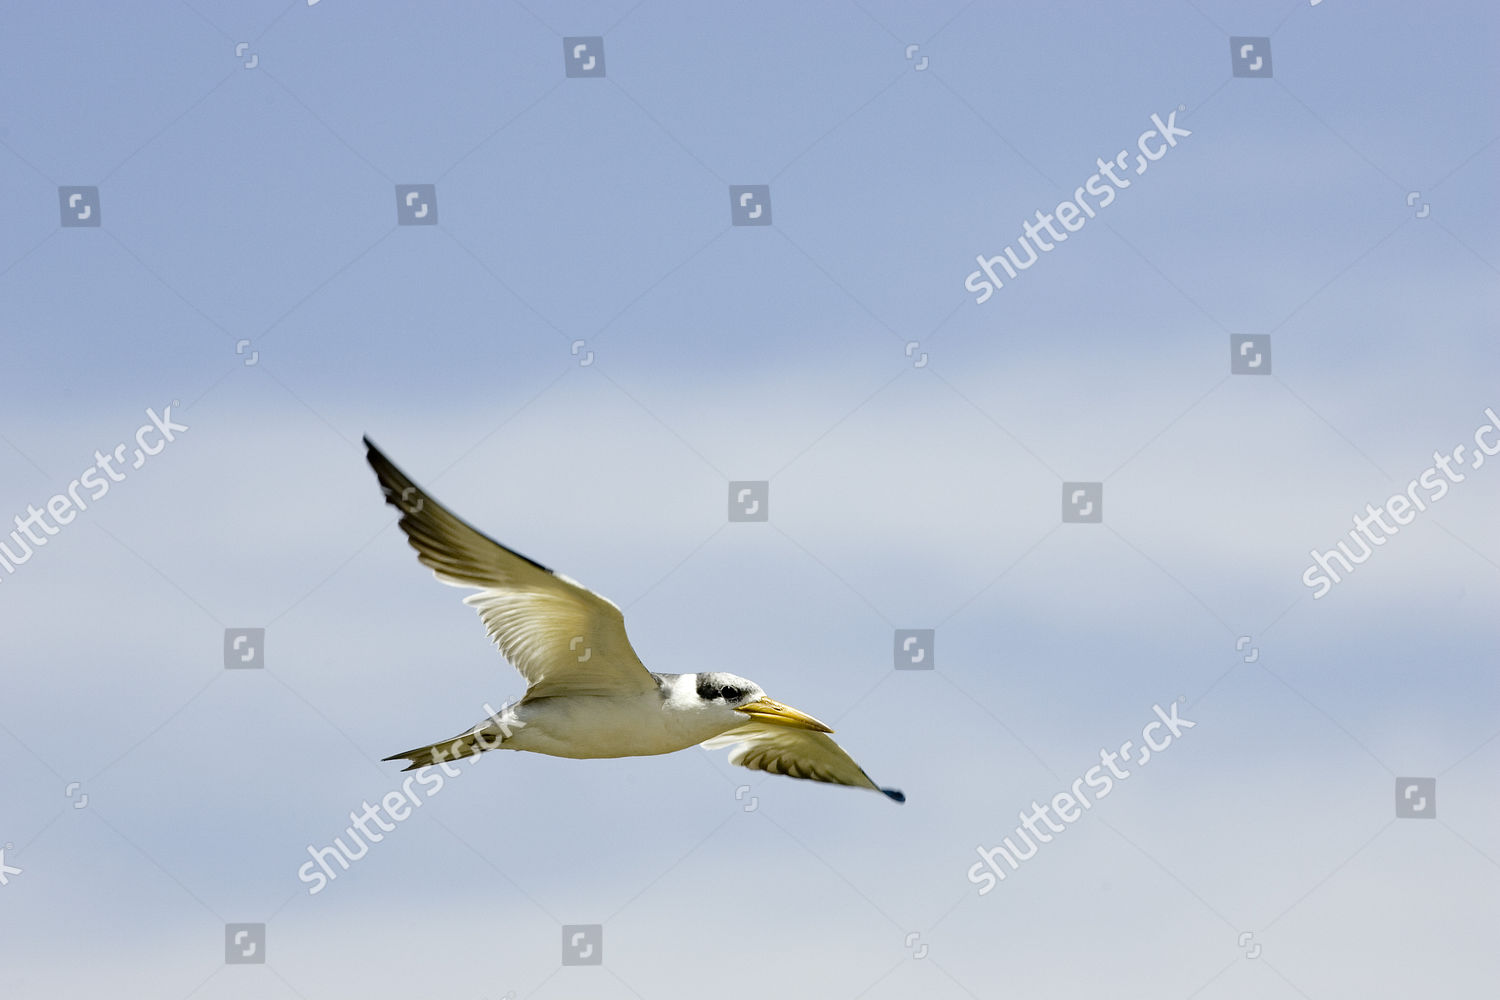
(588, 694)
(589, 727)
(666, 720)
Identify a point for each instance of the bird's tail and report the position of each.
(476, 741)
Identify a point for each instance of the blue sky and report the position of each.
(584, 352)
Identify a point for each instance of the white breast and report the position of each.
(582, 726)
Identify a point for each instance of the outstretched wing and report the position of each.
(796, 753)
(562, 637)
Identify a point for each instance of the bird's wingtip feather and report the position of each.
(894, 794)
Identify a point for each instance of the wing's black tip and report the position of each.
(894, 794)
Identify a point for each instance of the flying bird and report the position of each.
(587, 693)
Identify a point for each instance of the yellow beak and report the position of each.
(777, 714)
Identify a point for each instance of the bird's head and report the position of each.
(750, 703)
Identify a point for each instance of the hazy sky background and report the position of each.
(1346, 207)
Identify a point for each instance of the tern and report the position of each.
(587, 693)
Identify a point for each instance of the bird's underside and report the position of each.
(588, 694)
